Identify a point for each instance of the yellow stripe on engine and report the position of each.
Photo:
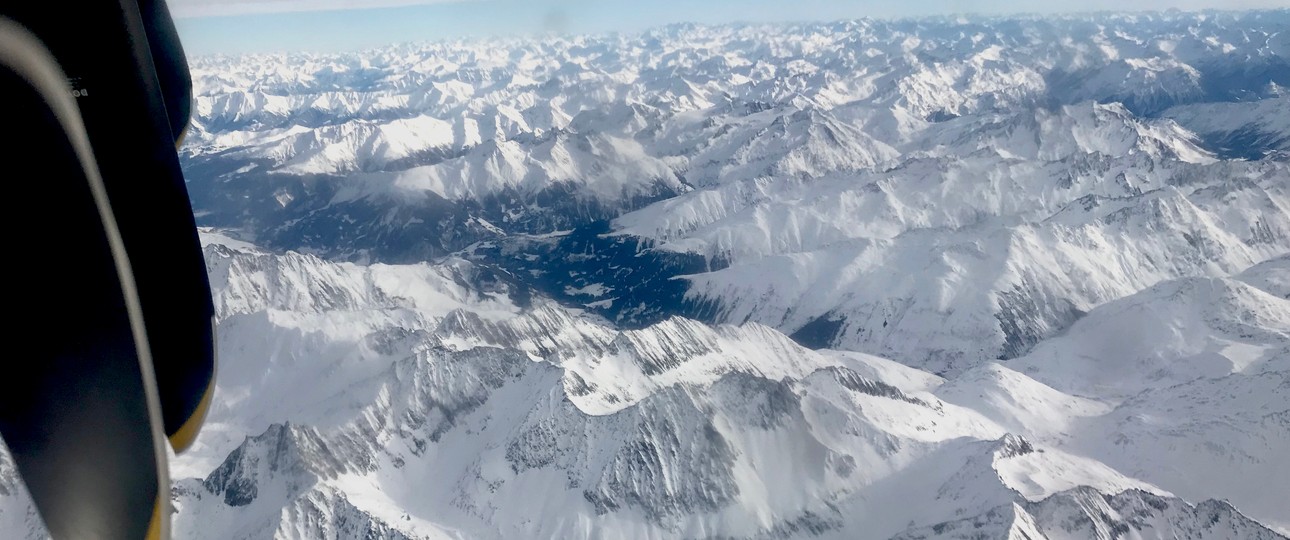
(154, 525)
(183, 437)
(179, 141)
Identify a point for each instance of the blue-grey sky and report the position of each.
(236, 26)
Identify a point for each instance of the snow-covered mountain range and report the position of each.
(421, 401)
(939, 278)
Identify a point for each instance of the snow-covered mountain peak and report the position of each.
(1152, 336)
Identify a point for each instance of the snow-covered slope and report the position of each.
(18, 516)
(422, 402)
(855, 184)
(1200, 366)
(675, 429)
(1240, 129)
(502, 130)
(989, 289)
(1171, 333)
(681, 429)
(1272, 276)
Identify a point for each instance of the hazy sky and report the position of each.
(235, 26)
